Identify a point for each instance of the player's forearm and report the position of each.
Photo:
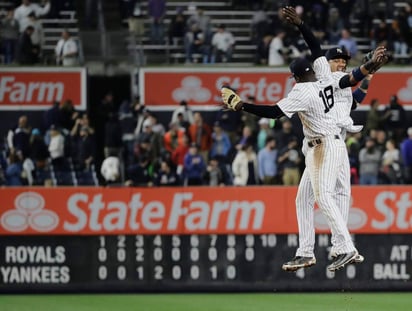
(311, 41)
(271, 112)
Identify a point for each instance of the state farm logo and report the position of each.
(356, 220)
(191, 89)
(29, 212)
(12, 91)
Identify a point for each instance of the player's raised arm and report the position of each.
(289, 13)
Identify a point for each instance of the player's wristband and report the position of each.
(357, 74)
(358, 95)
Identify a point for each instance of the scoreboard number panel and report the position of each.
(249, 262)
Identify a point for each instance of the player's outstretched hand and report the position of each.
(230, 99)
(289, 13)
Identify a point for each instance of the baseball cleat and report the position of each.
(299, 262)
(342, 260)
(358, 259)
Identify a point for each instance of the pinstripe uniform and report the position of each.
(342, 195)
(315, 104)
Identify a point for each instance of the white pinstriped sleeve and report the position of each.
(322, 68)
(296, 101)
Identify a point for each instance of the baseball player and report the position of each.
(345, 102)
(314, 101)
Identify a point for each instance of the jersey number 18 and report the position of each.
(327, 97)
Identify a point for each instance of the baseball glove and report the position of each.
(231, 100)
(368, 56)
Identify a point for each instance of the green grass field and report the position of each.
(344, 301)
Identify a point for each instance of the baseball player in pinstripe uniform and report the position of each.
(313, 100)
(345, 102)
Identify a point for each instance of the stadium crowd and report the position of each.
(137, 150)
(233, 149)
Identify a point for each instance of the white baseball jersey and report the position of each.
(315, 104)
(305, 198)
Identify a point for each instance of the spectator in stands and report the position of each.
(267, 163)
(18, 139)
(57, 6)
(178, 155)
(165, 176)
(157, 127)
(52, 116)
(244, 166)
(221, 144)
(374, 118)
(231, 123)
(149, 143)
(395, 117)
(135, 17)
(182, 123)
(264, 132)
(284, 135)
(174, 138)
(177, 27)
(66, 50)
(37, 35)
(195, 44)
(9, 35)
(56, 147)
(185, 110)
(194, 166)
(406, 155)
(67, 115)
(246, 138)
(203, 23)
(259, 24)
(278, 53)
(201, 134)
(27, 54)
(140, 174)
(347, 42)
(369, 163)
(400, 43)
(22, 12)
(262, 50)
(110, 170)
(157, 11)
(335, 26)
(223, 43)
(128, 120)
(249, 119)
(14, 170)
(85, 149)
(391, 172)
(289, 160)
(213, 174)
(39, 152)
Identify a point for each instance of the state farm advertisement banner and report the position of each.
(193, 210)
(201, 87)
(38, 88)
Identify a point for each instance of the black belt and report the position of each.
(318, 141)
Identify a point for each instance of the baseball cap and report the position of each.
(300, 67)
(336, 53)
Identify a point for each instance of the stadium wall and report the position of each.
(74, 239)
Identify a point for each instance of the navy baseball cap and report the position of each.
(337, 53)
(300, 67)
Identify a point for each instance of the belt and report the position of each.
(318, 141)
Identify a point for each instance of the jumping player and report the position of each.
(337, 59)
(314, 101)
